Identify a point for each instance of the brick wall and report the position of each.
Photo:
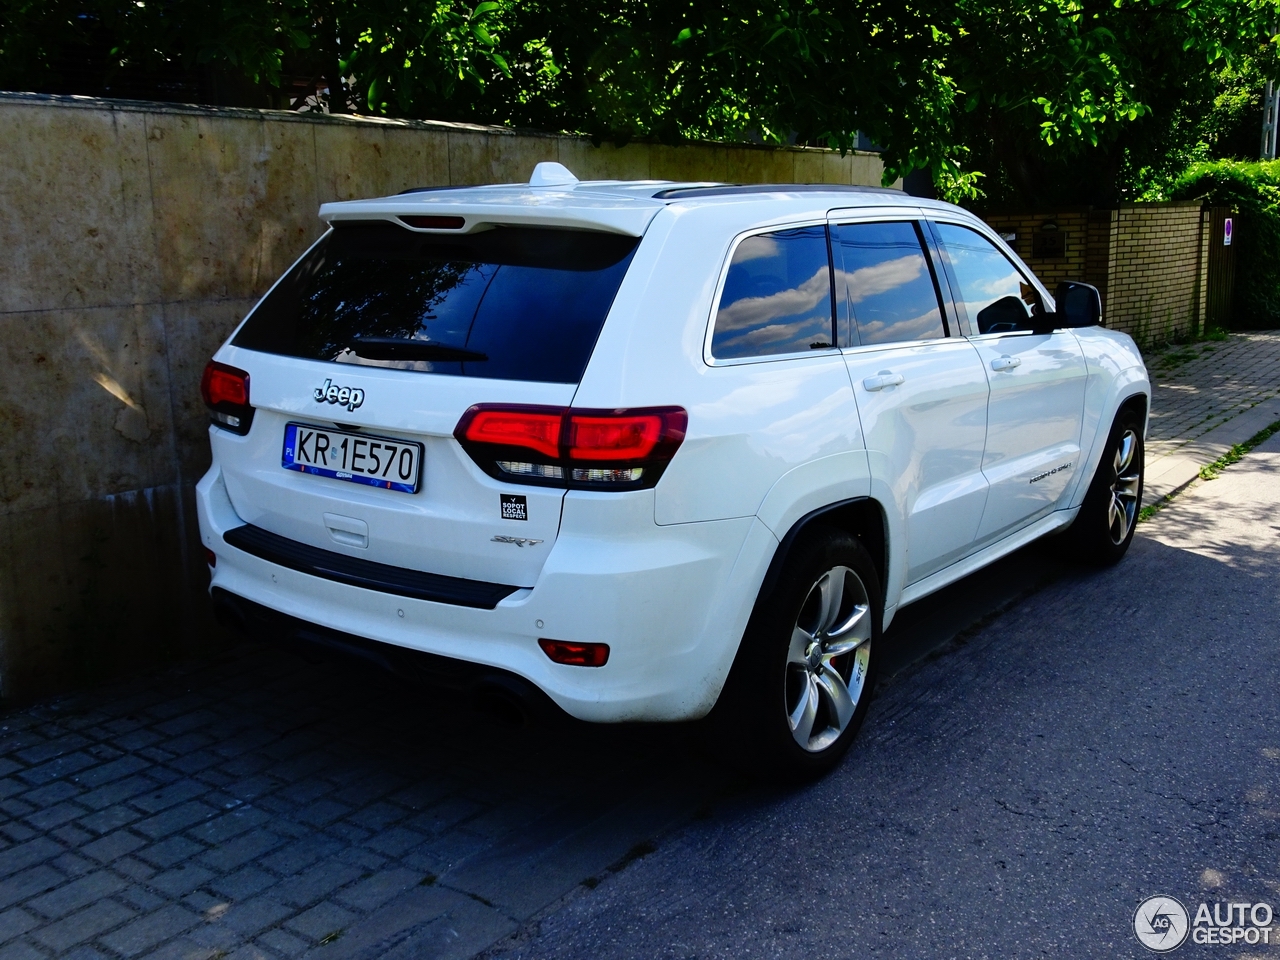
(1146, 259)
(1153, 270)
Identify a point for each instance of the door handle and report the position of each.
(885, 379)
(1005, 363)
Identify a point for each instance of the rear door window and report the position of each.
(888, 281)
(507, 303)
(777, 296)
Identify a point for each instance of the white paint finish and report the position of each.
(751, 425)
(548, 173)
(1116, 373)
(394, 400)
(925, 438)
(1033, 425)
(813, 485)
(1058, 520)
(669, 601)
(447, 527)
(557, 206)
(348, 531)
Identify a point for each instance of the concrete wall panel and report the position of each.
(86, 405)
(76, 230)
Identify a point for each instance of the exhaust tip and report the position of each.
(227, 614)
(510, 701)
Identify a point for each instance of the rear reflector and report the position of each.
(576, 654)
(435, 223)
(624, 449)
(226, 393)
(210, 557)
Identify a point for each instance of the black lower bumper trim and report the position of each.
(317, 643)
(366, 573)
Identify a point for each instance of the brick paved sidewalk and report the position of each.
(1206, 397)
(260, 807)
(1203, 385)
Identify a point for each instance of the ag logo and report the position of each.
(1161, 924)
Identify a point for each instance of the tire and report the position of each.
(1103, 530)
(804, 676)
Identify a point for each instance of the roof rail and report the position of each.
(433, 189)
(737, 189)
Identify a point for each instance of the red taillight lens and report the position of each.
(576, 654)
(613, 438)
(226, 393)
(624, 449)
(533, 428)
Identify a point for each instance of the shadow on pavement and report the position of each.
(261, 800)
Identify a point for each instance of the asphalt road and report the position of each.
(1018, 792)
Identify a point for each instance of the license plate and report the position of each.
(356, 457)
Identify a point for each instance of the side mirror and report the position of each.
(1079, 304)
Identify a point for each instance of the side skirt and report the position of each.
(962, 568)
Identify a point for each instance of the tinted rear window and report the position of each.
(777, 296)
(531, 301)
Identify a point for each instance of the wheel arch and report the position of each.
(1135, 396)
(861, 517)
(1138, 402)
(864, 518)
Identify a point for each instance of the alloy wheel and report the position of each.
(1125, 488)
(827, 660)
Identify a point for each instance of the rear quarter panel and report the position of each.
(750, 424)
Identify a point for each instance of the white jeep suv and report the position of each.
(654, 447)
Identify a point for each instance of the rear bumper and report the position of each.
(671, 602)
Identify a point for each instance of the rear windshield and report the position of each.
(508, 303)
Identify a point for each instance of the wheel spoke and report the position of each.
(832, 588)
(837, 696)
(797, 652)
(1127, 487)
(1124, 452)
(1119, 518)
(805, 712)
(851, 634)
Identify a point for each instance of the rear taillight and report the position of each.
(576, 654)
(563, 446)
(226, 393)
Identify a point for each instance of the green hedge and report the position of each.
(1254, 190)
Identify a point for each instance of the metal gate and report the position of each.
(1220, 275)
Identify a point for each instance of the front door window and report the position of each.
(994, 295)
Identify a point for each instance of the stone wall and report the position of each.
(135, 236)
(1147, 260)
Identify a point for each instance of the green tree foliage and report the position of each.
(1025, 101)
(1120, 89)
(1253, 190)
(208, 52)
